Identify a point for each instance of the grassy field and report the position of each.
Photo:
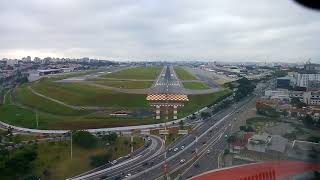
(148, 73)
(26, 97)
(88, 95)
(183, 74)
(52, 115)
(55, 157)
(197, 102)
(195, 85)
(126, 84)
(26, 118)
(15, 115)
(260, 122)
(7, 97)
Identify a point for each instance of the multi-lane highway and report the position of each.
(114, 171)
(208, 135)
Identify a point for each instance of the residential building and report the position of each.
(277, 94)
(303, 79)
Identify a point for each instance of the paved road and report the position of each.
(209, 135)
(112, 172)
(209, 159)
(167, 83)
(210, 131)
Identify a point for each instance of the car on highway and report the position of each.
(114, 162)
(182, 147)
(128, 175)
(182, 161)
(175, 149)
(208, 151)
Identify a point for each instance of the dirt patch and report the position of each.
(280, 128)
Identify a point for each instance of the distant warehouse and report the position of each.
(43, 72)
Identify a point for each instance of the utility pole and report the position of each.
(37, 118)
(71, 145)
(131, 144)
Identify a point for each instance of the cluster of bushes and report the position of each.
(244, 88)
(297, 103)
(247, 128)
(221, 98)
(17, 164)
(222, 105)
(311, 122)
(87, 140)
(99, 160)
(268, 111)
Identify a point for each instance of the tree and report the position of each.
(307, 120)
(181, 124)
(231, 139)
(315, 139)
(126, 142)
(205, 115)
(98, 160)
(244, 88)
(297, 103)
(268, 111)
(110, 138)
(246, 128)
(84, 139)
(32, 177)
(19, 162)
(280, 73)
(9, 131)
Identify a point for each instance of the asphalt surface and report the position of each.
(208, 133)
(167, 83)
(113, 171)
(211, 134)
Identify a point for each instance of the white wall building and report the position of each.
(277, 94)
(310, 98)
(302, 80)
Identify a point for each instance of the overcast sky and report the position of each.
(231, 30)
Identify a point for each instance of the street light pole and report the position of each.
(71, 145)
(37, 118)
(131, 144)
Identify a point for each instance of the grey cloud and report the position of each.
(166, 29)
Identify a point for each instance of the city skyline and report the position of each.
(149, 30)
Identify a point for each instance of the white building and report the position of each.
(277, 94)
(310, 98)
(302, 80)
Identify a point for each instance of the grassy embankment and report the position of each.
(195, 85)
(183, 74)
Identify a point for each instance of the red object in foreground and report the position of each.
(260, 171)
